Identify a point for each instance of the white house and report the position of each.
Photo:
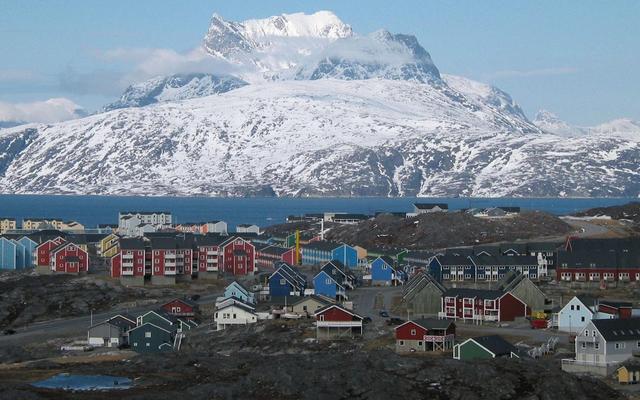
(425, 208)
(576, 314)
(234, 314)
(248, 228)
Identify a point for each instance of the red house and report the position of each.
(180, 308)
(69, 258)
(44, 251)
(334, 321)
(130, 261)
(268, 255)
(425, 334)
(238, 256)
(172, 256)
(619, 309)
(482, 305)
(209, 255)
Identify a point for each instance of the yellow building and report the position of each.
(109, 246)
(34, 224)
(629, 374)
(7, 224)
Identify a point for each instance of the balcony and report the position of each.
(127, 256)
(127, 271)
(127, 264)
(339, 324)
(169, 263)
(212, 253)
(169, 271)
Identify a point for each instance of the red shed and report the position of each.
(180, 308)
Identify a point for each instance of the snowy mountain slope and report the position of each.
(623, 127)
(173, 88)
(326, 137)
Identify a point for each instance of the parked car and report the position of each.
(384, 314)
(9, 331)
(366, 320)
(394, 321)
(195, 297)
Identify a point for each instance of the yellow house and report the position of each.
(7, 224)
(361, 251)
(109, 246)
(629, 374)
(34, 224)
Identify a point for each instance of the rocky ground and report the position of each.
(27, 297)
(278, 360)
(439, 230)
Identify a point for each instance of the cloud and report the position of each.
(49, 111)
(19, 75)
(513, 73)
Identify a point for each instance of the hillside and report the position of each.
(439, 230)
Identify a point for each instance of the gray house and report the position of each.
(603, 344)
(151, 338)
(112, 332)
(521, 286)
(422, 295)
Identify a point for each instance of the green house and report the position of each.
(150, 338)
(160, 319)
(484, 347)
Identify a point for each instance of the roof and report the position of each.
(322, 245)
(132, 244)
(287, 272)
(453, 260)
(320, 299)
(144, 212)
(615, 303)
(275, 250)
(617, 329)
(505, 260)
(347, 216)
(182, 300)
(329, 306)
(433, 323)
(474, 293)
(429, 206)
(240, 305)
(495, 344)
(418, 282)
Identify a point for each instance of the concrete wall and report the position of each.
(408, 345)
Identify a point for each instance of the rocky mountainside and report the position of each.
(549, 122)
(174, 88)
(326, 112)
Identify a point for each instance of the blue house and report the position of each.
(235, 289)
(384, 272)
(8, 259)
(29, 251)
(457, 268)
(452, 267)
(20, 250)
(327, 286)
(286, 281)
(341, 274)
(322, 252)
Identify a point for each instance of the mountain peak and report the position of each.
(322, 24)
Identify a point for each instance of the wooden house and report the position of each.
(484, 347)
(422, 295)
(482, 305)
(334, 321)
(425, 335)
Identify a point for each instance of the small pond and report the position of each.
(84, 382)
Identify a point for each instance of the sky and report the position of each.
(578, 59)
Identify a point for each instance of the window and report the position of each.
(586, 333)
(283, 282)
(581, 319)
(467, 276)
(413, 332)
(583, 345)
(147, 334)
(420, 344)
(578, 307)
(597, 345)
(594, 333)
(148, 344)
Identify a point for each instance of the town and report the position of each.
(569, 299)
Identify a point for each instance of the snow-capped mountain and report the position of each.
(325, 112)
(551, 123)
(173, 88)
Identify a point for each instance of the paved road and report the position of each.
(76, 326)
(587, 228)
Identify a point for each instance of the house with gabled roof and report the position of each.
(385, 272)
(577, 313)
(286, 281)
(180, 308)
(234, 314)
(308, 305)
(334, 321)
(151, 338)
(523, 288)
(484, 347)
(602, 344)
(236, 289)
(329, 285)
(480, 305)
(319, 252)
(422, 295)
(425, 335)
(343, 275)
(425, 208)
